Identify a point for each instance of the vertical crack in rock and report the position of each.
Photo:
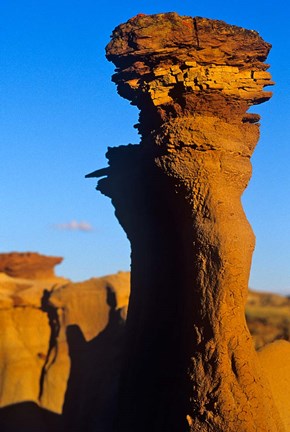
(196, 31)
(190, 364)
(54, 325)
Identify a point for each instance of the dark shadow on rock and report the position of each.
(90, 400)
(29, 417)
(54, 325)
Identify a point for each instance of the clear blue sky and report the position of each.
(60, 111)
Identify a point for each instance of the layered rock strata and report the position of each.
(29, 265)
(190, 363)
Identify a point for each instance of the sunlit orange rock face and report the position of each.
(30, 265)
(59, 346)
(190, 363)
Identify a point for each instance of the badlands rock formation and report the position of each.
(190, 363)
(60, 347)
(26, 330)
(28, 265)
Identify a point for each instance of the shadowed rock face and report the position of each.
(190, 363)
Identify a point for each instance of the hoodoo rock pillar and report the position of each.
(189, 364)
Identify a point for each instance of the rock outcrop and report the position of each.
(190, 364)
(92, 316)
(26, 330)
(29, 265)
(60, 350)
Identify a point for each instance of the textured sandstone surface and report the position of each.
(190, 362)
(61, 346)
(25, 327)
(59, 341)
(24, 333)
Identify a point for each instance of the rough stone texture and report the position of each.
(29, 265)
(190, 364)
(60, 349)
(95, 337)
(26, 333)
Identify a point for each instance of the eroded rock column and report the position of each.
(189, 363)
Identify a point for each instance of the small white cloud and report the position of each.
(74, 226)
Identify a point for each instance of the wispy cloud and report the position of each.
(74, 226)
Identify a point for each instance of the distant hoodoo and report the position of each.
(190, 364)
(30, 265)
